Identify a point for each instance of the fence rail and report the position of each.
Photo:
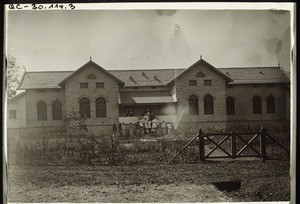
(239, 143)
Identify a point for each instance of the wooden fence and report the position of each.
(238, 142)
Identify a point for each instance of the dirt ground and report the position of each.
(260, 181)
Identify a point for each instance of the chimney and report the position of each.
(131, 79)
(157, 79)
(144, 74)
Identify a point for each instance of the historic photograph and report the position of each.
(147, 105)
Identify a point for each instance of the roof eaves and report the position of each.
(285, 73)
(259, 82)
(154, 85)
(16, 97)
(22, 78)
(82, 67)
(198, 62)
(216, 70)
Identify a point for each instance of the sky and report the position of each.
(148, 39)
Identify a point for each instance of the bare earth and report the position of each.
(260, 181)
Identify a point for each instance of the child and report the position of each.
(123, 130)
(154, 125)
(169, 126)
(163, 126)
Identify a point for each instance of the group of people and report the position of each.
(148, 124)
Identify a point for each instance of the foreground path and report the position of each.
(157, 183)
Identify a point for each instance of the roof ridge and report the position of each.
(145, 69)
(45, 71)
(246, 67)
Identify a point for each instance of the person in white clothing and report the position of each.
(154, 125)
(164, 127)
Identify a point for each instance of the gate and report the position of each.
(239, 143)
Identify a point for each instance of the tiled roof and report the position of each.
(157, 77)
(43, 80)
(142, 97)
(252, 75)
(150, 77)
(154, 77)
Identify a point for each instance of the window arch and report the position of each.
(41, 111)
(193, 105)
(200, 75)
(100, 108)
(270, 101)
(56, 110)
(84, 107)
(208, 105)
(230, 106)
(91, 76)
(257, 109)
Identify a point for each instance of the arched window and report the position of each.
(91, 76)
(41, 111)
(100, 108)
(193, 105)
(84, 107)
(230, 108)
(200, 75)
(257, 105)
(208, 105)
(56, 110)
(270, 104)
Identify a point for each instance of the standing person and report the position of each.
(120, 129)
(141, 127)
(169, 126)
(137, 129)
(130, 130)
(148, 113)
(146, 124)
(114, 130)
(149, 125)
(123, 130)
(154, 125)
(164, 127)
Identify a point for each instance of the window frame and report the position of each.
(85, 108)
(193, 105)
(41, 107)
(99, 110)
(58, 106)
(200, 75)
(256, 105)
(91, 76)
(270, 104)
(10, 114)
(82, 85)
(100, 83)
(205, 82)
(192, 82)
(230, 105)
(208, 104)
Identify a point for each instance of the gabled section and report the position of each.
(256, 75)
(91, 63)
(16, 97)
(201, 61)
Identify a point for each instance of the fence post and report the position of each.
(233, 145)
(201, 146)
(43, 150)
(263, 145)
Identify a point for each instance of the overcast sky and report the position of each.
(136, 39)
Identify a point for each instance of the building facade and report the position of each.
(200, 96)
